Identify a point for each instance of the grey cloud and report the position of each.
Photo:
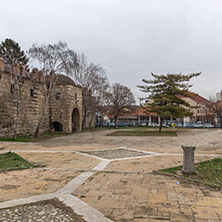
(130, 38)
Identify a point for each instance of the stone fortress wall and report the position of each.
(64, 112)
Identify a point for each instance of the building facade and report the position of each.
(199, 108)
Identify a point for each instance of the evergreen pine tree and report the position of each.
(11, 52)
(163, 95)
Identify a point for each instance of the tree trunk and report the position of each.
(84, 109)
(42, 117)
(48, 94)
(115, 122)
(83, 117)
(91, 119)
(161, 123)
(17, 119)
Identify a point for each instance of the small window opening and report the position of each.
(12, 88)
(58, 95)
(31, 92)
(75, 96)
(0, 76)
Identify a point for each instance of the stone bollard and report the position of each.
(188, 160)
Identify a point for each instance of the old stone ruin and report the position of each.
(64, 112)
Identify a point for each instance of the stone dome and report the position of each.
(63, 80)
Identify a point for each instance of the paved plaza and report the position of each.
(93, 177)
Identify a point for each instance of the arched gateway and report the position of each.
(75, 120)
(57, 126)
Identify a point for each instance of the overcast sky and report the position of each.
(129, 38)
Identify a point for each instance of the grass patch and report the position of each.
(31, 138)
(208, 173)
(11, 160)
(25, 138)
(143, 133)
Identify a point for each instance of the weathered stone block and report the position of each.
(188, 160)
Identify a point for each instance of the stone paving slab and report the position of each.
(61, 160)
(30, 182)
(87, 211)
(150, 163)
(147, 197)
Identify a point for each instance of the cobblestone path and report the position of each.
(50, 210)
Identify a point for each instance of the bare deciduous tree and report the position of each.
(20, 88)
(53, 59)
(99, 87)
(121, 101)
(92, 78)
(15, 60)
(215, 107)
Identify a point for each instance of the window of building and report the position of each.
(58, 94)
(0, 76)
(75, 96)
(31, 92)
(12, 88)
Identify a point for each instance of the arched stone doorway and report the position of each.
(57, 126)
(75, 120)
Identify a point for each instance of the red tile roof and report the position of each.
(197, 98)
(139, 111)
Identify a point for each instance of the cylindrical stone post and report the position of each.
(188, 160)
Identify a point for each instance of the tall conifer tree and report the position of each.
(11, 52)
(163, 96)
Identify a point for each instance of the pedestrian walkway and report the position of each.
(117, 188)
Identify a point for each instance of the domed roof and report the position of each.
(63, 80)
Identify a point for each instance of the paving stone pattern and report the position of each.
(50, 210)
(129, 192)
(149, 197)
(116, 153)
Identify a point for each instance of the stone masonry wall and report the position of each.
(31, 107)
(64, 99)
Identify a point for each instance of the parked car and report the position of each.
(218, 125)
(153, 124)
(143, 124)
(179, 125)
(110, 124)
(197, 125)
(188, 125)
(125, 124)
(193, 125)
(208, 125)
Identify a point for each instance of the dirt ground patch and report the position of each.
(204, 139)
